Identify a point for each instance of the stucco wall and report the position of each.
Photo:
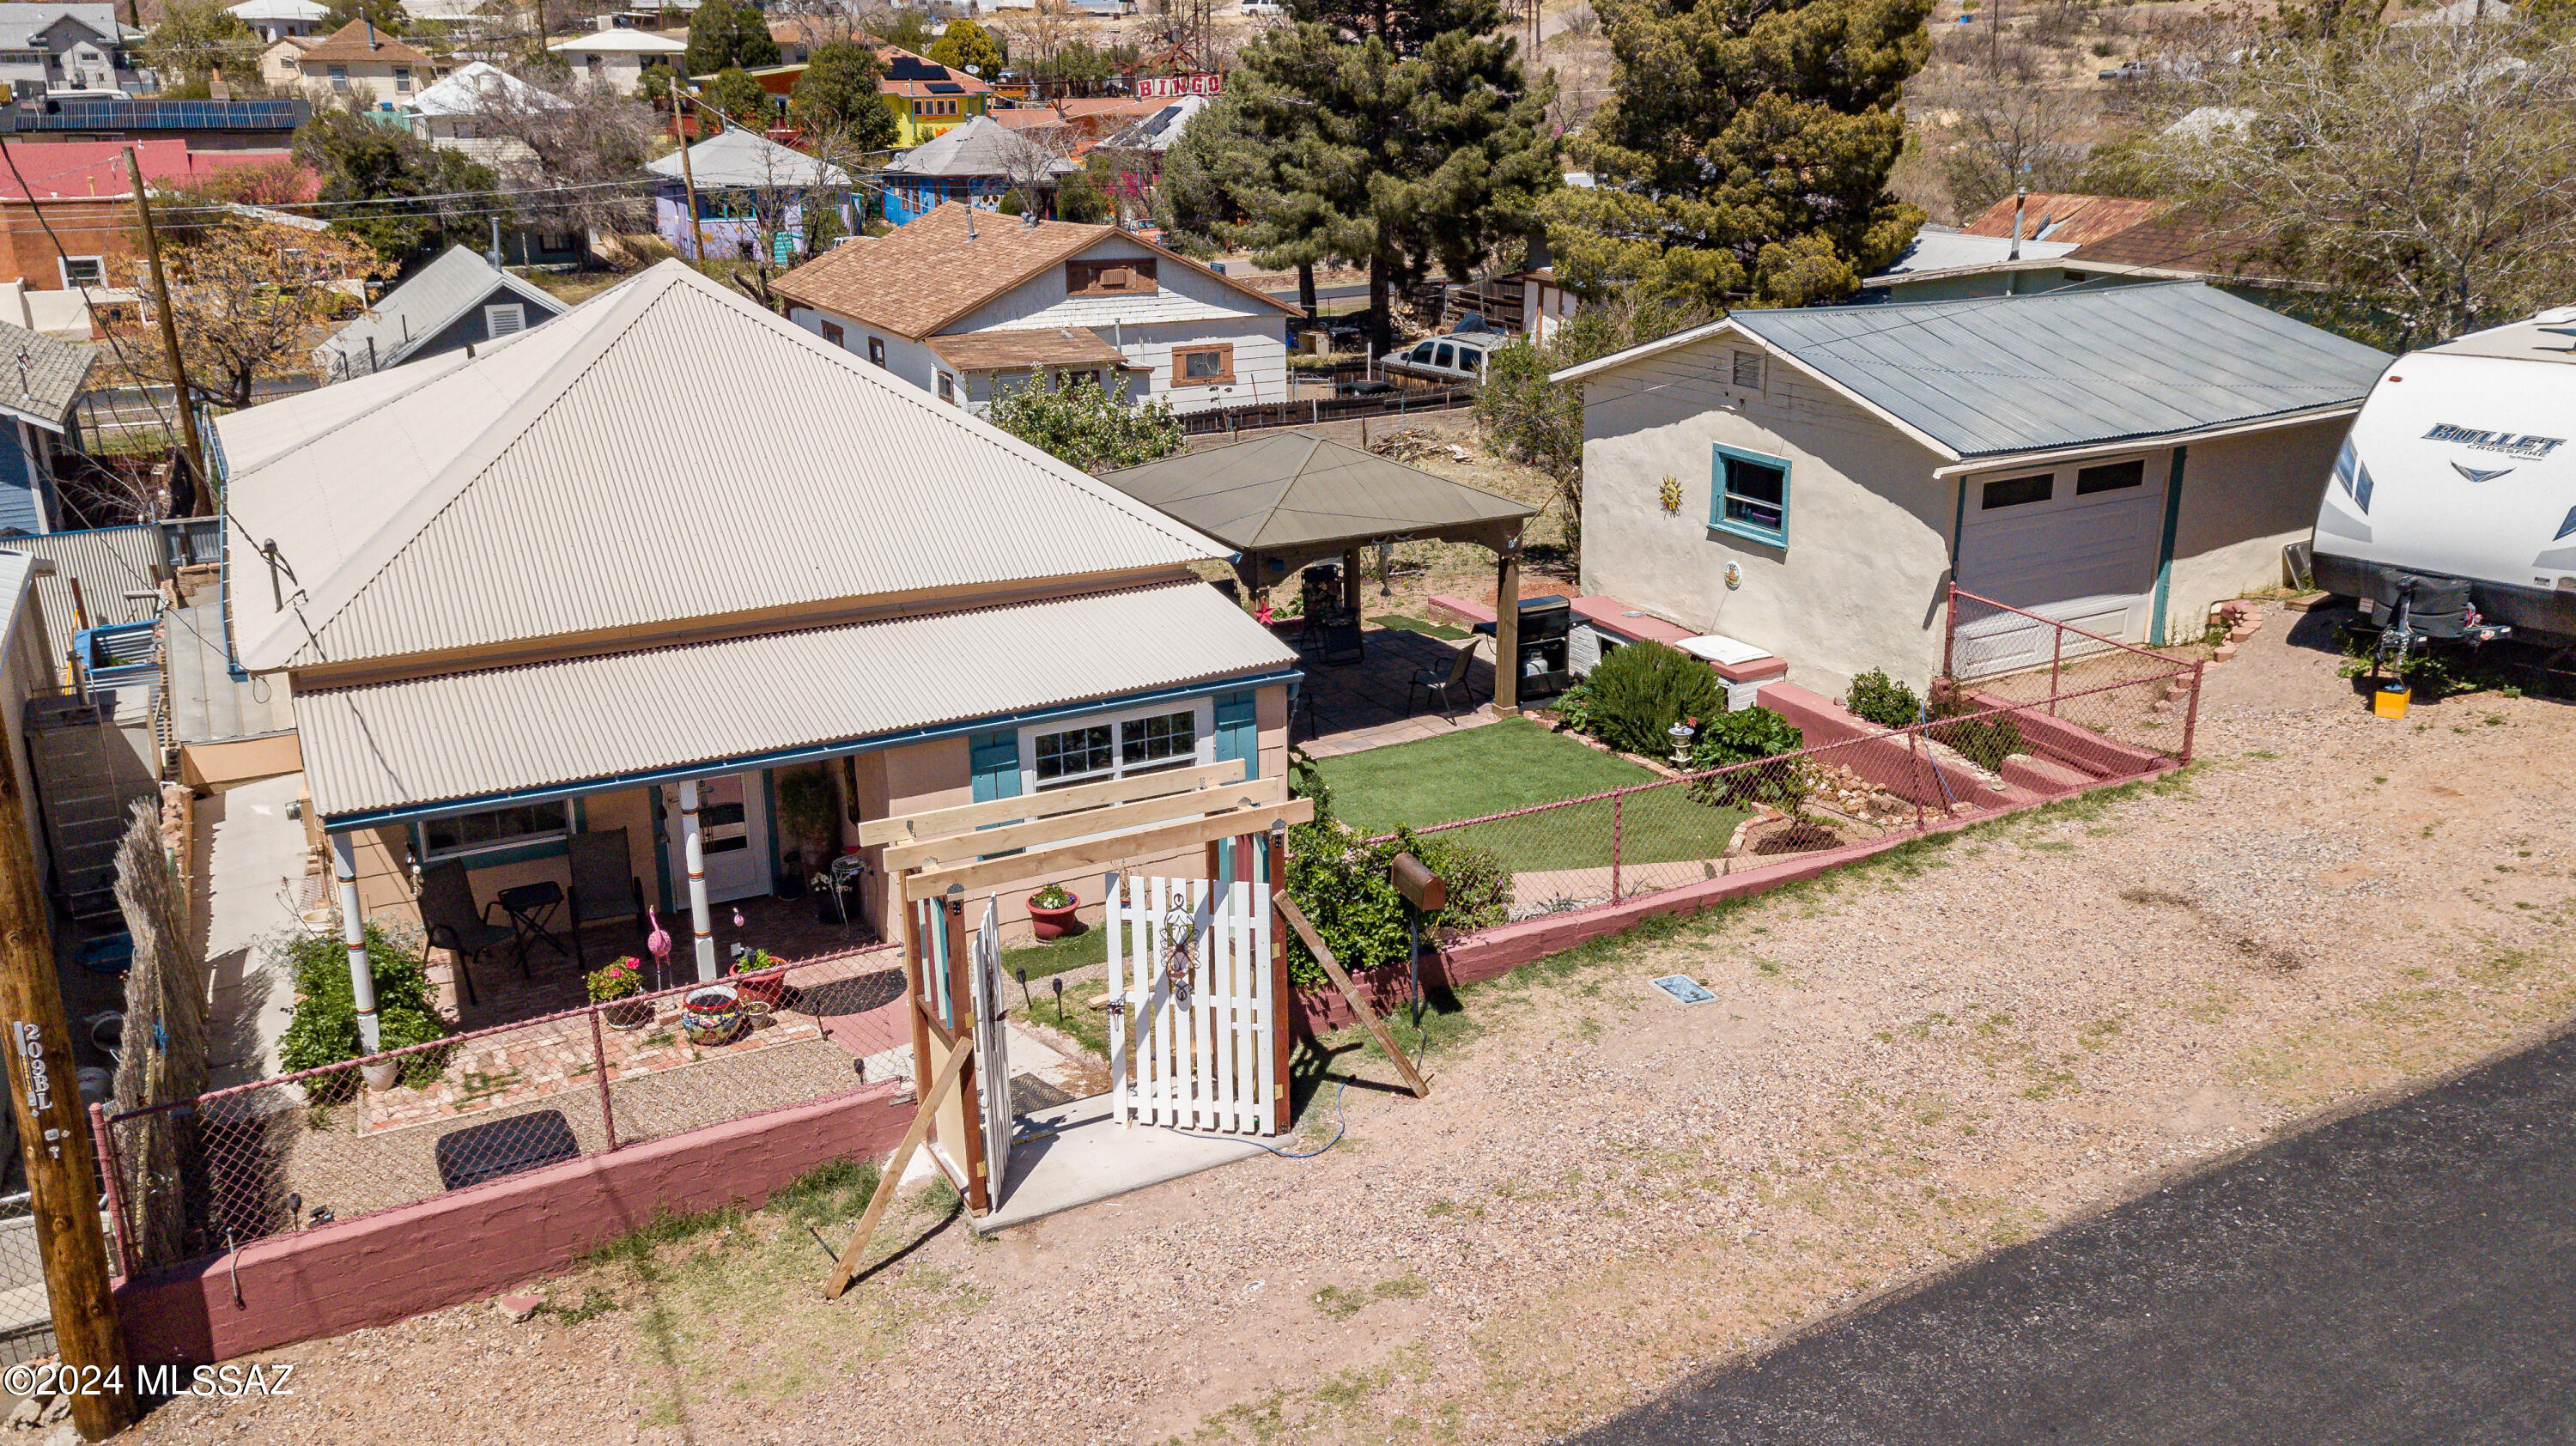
(2243, 500)
(1857, 586)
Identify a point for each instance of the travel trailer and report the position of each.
(2451, 513)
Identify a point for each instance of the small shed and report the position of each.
(459, 300)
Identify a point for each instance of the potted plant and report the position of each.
(381, 1074)
(711, 1014)
(1051, 911)
(616, 984)
(759, 996)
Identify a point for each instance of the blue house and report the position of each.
(972, 163)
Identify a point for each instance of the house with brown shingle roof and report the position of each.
(358, 54)
(967, 304)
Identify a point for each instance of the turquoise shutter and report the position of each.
(995, 758)
(1238, 730)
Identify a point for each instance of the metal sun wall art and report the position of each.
(1672, 495)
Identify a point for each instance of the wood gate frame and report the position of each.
(941, 858)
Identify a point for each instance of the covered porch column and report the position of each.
(693, 855)
(353, 933)
(1507, 625)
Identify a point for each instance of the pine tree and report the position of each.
(839, 93)
(1402, 150)
(1744, 152)
(722, 33)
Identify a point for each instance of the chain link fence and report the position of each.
(2094, 711)
(407, 1125)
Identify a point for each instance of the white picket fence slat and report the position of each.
(1205, 1064)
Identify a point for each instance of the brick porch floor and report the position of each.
(1353, 706)
(787, 928)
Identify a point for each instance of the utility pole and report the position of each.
(170, 335)
(53, 1136)
(688, 174)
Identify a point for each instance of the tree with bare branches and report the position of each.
(2429, 172)
(249, 295)
(2016, 113)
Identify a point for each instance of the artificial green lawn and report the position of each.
(1514, 764)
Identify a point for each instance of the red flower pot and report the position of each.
(1057, 922)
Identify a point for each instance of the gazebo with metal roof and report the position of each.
(1286, 500)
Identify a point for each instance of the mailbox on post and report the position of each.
(1421, 888)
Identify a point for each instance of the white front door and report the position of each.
(2076, 543)
(733, 835)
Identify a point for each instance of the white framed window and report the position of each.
(1151, 739)
(503, 319)
(402, 79)
(84, 271)
(462, 835)
(339, 77)
(947, 387)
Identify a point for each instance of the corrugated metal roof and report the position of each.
(109, 562)
(1294, 490)
(609, 470)
(472, 89)
(744, 160)
(207, 703)
(981, 146)
(1996, 375)
(421, 308)
(549, 725)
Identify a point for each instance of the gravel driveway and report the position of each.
(1960, 1047)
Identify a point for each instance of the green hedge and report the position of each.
(1341, 885)
(1634, 696)
(324, 1027)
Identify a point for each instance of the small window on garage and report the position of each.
(1744, 371)
(504, 320)
(2111, 477)
(1750, 495)
(2018, 491)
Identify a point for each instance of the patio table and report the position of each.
(532, 909)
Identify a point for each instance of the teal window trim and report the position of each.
(493, 858)
(1718, 521)
(2165, 547)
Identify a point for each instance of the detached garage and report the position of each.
(1809, 481)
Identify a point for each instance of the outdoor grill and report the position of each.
(1547, 625)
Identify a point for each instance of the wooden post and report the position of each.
(1507, 629)
(1351, 582)
(688, 173)
(980, 1191)
(62, 1162)
(847, 1265)
(693, 855)
(169, 328)
(1333, 969)
(353, 936)
(1281, 1000)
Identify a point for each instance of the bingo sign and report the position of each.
(1173, 87)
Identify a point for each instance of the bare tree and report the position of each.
(2015, 116)
(2428, 172)
(565, 157)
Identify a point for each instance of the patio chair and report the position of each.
(604, 886)
(447, 911)
(1433, 683)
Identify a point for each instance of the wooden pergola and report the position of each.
(1292, 498)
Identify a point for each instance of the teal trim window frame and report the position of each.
(487, 838)
(1748, 494)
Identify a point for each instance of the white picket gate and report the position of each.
(1192, 1018)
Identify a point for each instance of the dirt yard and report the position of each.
(1962, 1046)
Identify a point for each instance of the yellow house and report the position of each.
(927, 97)
(562, 586)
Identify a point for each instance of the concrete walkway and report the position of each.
(253, 857)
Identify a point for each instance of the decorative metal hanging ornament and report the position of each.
(1180, 951)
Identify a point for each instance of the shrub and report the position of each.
(1740, 737)
(323, 1028)
(1984, 741)
(1640, 691)
(1340, 883)
(1877, 698)
(1573, 707)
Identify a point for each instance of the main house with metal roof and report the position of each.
(459, 300)
(540, 592)
(1807, 481)
(964, 303)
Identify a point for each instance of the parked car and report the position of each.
(1456, 358)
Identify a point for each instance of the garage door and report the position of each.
(2075, 544)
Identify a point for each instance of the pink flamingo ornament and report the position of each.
(658, 944)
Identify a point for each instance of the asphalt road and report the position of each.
(2404, 1275)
